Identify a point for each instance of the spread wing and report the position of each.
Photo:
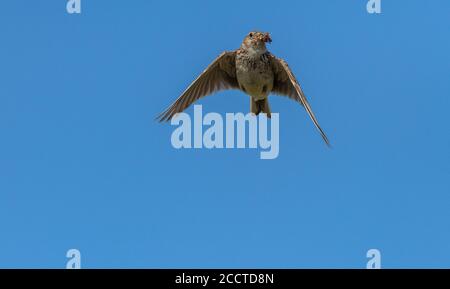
(219, 75)
(286, 84)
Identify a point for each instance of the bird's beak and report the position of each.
(267, 38)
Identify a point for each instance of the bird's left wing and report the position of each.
(286, 84)
(219, 75)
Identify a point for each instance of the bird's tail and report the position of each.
(257, 106)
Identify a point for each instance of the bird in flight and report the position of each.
(251, 69)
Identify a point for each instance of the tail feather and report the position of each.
(258, 106)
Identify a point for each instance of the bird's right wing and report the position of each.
(219, 75)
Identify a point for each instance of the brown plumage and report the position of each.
(253, 70)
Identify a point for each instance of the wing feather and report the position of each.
(219, 75)
(286, 84)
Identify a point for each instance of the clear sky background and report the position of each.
(84, 165)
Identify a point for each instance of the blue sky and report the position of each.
(84, 165)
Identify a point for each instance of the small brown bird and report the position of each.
(252, 69)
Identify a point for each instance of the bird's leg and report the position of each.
(254, 108)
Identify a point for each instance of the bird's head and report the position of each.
(256, 41)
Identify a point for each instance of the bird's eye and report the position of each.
(251, 35)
